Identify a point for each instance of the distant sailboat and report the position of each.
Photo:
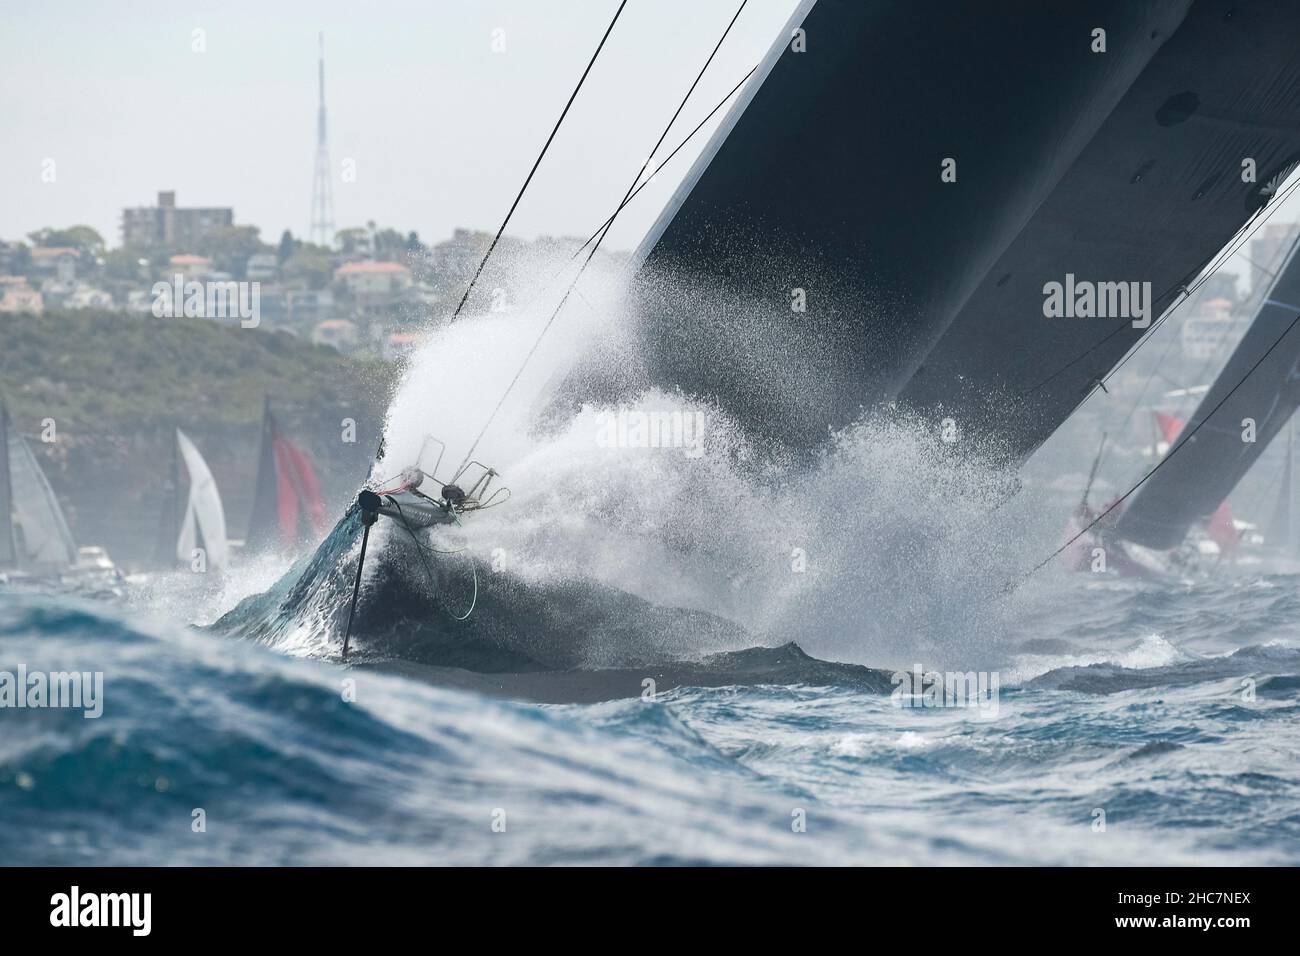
(34, 535)
(1259, 383)
(287, 506)
(199, 521)
(1221, 527)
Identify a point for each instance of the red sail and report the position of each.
(301, 510)
(1169, 426)
(1222, 529)
(287, 508)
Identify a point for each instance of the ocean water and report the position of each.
(1132, 722)
(1137, 708)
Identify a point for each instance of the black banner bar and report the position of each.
(337, 905)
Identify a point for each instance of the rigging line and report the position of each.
(1096, 345)
(1217, 261)
(1160, 363)
(1234, 246)
(1257, 299)
(1257, 305)
(1251, 262)
(636, 192)
(522, 189)
(1183, 439)
(428, 572)
(668, 159)
(1123, 427)
(596, 246)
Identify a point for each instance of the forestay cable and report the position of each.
(1183, 439)
(596, 245)
(524, 188)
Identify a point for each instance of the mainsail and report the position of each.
(1221, 528)
(203, 522)
(1252, 399)
(287, 506)
(33, 530)
(829, 185)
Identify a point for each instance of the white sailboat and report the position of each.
(198, 523)
(34, 535)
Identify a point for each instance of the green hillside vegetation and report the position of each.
(109, 371)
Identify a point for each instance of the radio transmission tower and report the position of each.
(322, 199)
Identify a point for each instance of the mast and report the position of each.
(1092, 475)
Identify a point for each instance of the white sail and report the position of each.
(205, 519)
(45, 538)
(8, 543)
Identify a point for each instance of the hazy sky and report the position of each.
(442, 129)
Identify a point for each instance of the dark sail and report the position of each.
(1200, 472)
(287, 506)
(1155, 195)
(826, 178)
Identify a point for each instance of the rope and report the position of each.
(1255, 302)
(522, 189)
(1183, 439)
(425, 549)
(602, 233)
(668, 158)
(379, 451)
(1238, 240)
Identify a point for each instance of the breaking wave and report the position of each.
(618, 547)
